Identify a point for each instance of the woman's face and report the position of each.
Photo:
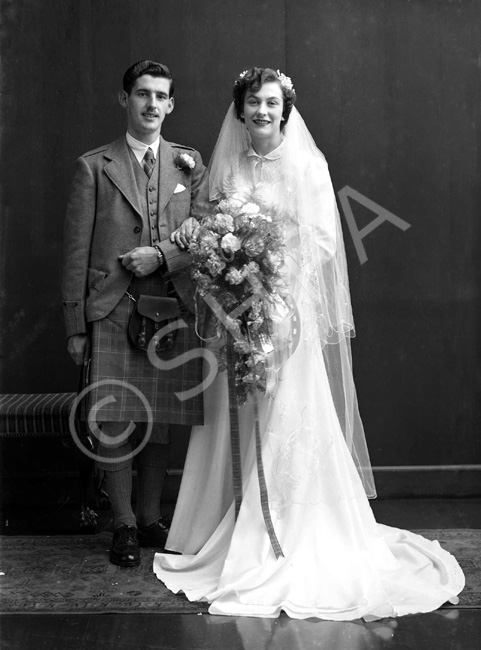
(263, 110)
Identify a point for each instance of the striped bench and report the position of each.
(47, 414)
(43, 414)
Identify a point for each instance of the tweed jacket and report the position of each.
(104, 221)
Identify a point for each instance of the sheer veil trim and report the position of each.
(299, 188)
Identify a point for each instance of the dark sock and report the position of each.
(119, 489)
(152, 464)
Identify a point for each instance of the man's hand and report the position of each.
(142, 261)
(184, 233)
(78, 347)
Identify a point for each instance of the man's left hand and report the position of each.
(142, 261)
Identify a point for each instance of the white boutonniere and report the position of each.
(184, 161)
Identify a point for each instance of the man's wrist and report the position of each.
(160, 255)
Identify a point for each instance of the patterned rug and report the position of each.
(72, 574)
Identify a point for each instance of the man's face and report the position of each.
(147, 105)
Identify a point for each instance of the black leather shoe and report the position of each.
(125, 551)
(153, 536)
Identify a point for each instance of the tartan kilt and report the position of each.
(114, 357)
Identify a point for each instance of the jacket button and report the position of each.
(137, 229)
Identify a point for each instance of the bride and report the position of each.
(285, 523)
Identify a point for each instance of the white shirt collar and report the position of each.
(139, 148)
(275, 154)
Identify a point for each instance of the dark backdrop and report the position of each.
(391, 93)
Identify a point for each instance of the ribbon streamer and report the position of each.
(234, 424)
(235, 445)
(276, 547)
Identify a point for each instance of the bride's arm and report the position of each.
(317, 211)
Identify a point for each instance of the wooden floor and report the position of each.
(448, 629)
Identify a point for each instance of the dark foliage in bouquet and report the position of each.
(238, 257)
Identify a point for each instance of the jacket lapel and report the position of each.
(170, 175)
(119, 170)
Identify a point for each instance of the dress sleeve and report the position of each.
(318, 214)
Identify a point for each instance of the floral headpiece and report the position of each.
(285, 81)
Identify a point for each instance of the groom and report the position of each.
(127, 199)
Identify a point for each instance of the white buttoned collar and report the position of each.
(139, 148)
(275, 154)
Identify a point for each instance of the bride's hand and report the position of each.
(182, 236)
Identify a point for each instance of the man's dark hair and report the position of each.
(145, 66)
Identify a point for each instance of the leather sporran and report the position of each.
(151, 314)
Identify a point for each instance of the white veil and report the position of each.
(317, 259)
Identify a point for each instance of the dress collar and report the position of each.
(275, 154)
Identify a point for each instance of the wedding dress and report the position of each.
(337, 562)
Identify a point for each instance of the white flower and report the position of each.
(250, 209)
(235, 204)
(274, 260)
(186, 161)
(231, 205)
(285, 81)
(252, 267)
(215, 265)
(241, 194)
(224, 223)
(230, 243)
(227, 206)
(234, 276)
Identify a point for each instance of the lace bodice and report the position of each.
(262, 180)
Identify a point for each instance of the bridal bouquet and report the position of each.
(238, 256)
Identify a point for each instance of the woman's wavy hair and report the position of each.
(253, 79)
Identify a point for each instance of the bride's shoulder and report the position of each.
(306, 167)
(302, 157)
(234, 163)
(310, 161)
(238, 166)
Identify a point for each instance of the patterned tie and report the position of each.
(148, 162)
